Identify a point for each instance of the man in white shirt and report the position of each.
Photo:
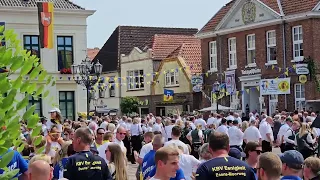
(148, 136)
(251, 117)
(105, 122)
(283, 129)
(201, 122)
(175, 135)
(236, 136)
(211, 119)
(237, 117)
(223, 127)
(93, 125)
(230, 117)
(290, 138)
(252, 133)
(266, 134)
(217, 121)
(192, 125)
(158, 127)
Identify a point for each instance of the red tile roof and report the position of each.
(273, 4)
(191, 53)
(164, 44)
(289, 7)
(215, 20)
(298, 6)
(91, 53)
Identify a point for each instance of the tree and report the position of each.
(18, 64)
(129, 105)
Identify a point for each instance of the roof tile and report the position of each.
(273, 4)
(92, 52)
(298, 6)
(58, 4)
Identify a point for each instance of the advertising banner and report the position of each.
(275, 86)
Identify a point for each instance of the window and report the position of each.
(251, 49)
(66, 104)
(172, 79)
(112, 92)
(65, 52)
(271, 47)
(300, 100)
(232, 52)
(297, 43)
(213, 55)
(35, 101)
(32, 43)
(136, 80)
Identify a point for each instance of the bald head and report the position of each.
(40, 170)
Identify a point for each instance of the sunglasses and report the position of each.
(122, 133)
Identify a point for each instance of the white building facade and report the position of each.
(70, 44)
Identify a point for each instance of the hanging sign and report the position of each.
(302, 69)
(196, 79)
(275, 86)
(303, 79)
(197, 88)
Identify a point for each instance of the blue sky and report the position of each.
(166, 13)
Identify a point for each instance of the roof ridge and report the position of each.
(58, 4)
(69, 1)
(157, 27)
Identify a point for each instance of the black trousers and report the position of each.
(126, 143)
(266, 146)
(195, 149)
(136, 145)
(307, 153)
(288, 147)
(282, 147)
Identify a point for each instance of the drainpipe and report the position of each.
(284, 54)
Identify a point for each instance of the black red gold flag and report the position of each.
(45, 16)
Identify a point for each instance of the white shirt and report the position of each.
(193, 127)
(168, 130)
(44, 130)
(157, 127)
(235, 136)
(282, 131)
(128, 125)
(287, 135)
(252, 134)
(178, 143)
(135, 130)
(230, 118)
(188, 164)
(211, 120)
(217, 122)
(223, 129)
(145, 150)
(239, 120)
(265, 129)
(120, 143)
(55, 147)
(102, 150)
(104, 125)
(200, 122)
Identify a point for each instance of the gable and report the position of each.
(136, 54)
(246, 12)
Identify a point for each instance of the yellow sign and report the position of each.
(284, 86)
(303, 79)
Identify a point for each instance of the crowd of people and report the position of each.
(179, 147)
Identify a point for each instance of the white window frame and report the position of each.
(298, 42)
(253, 48)
(271, 45)
(273, 99)
(132, 84)
(168, 81)
(302, 97)
(232, 48)
(213, 58)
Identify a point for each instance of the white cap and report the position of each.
(55, 110)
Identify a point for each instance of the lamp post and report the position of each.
(89, 74)
(216, 90)
(95, 103)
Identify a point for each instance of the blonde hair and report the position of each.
(111, 127)
(43, 157)
(135, 121)
(63, 152)
(168, 122)
(118, 158)
(179, 123)
(314, 164)
(244, 125)
(305, 128)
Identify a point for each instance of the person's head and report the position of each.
(114, 153)
(219, 143)
(158, 142)
(167, 161)
(111, 127)
(311, 168)
(68, 133)
(223, 121)
(108, 136)
(83, 138)
(269, 166)
(158, 120)
(65, 151)
(148, 136)
(289, 121)
(235, 123)
(40, 170)
(100, 133)
(121, 133)
(54, 134)
(269, 120)
(42, 157)
(55, 113)
(204, 152)
(235, 152)
(176, 131)
(292, 163)
(252, 151)
(295, 126)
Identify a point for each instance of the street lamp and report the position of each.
(88, 76)
(216, 90)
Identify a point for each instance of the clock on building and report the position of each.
(249, 12)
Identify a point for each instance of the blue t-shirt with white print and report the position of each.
(17, 162)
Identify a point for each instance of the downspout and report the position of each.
(220, 58)
(284, 55)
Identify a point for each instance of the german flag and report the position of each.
(45, 16)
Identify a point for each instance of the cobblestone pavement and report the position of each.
(133, 167)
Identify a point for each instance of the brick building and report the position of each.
(255, 40)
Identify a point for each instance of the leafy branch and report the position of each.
(312, 70)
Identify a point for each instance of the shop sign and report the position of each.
(196, 80)
(302, 69)
(250, 71)
(275, 86)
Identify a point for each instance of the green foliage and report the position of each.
(129, 105)
(312, 70)
(19, 63)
